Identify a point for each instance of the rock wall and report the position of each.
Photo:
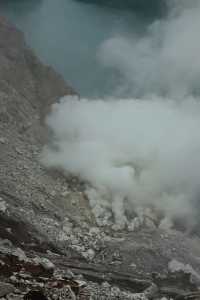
(27, 89)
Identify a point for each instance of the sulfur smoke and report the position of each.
(142, 150)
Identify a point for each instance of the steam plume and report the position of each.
(144, 150)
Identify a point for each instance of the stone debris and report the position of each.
(102, 210)
(89, 254)
(176, 266)
(6, 288)
(20, 254)
(2, 140)
(44, 262)
(38, 278)
(3, 206)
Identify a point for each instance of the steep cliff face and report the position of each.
(27, 88)
(20, 69)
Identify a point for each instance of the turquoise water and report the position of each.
(67, 35)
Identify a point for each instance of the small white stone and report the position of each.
(84, 225)
(19, 151)
(65, 193)
(53, 193)
(3, 206)
(74, 241)
(105, 284)
(165, 224)
(150, 223)
(135, 224)
(63, 236)
(118, 227)
(21, 255)
(94, 231)
(89, 254)
(78, 248)
(13, 278)
(115, 291)
(2, 263)
(139, 296)
(45, 262)
(80, 283)
(2, 140)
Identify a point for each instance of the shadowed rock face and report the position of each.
(151, 8)
(21, 70)
(27, 89)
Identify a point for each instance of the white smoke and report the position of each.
(145, 151)
(165, 61)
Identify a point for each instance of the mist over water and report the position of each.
(67, 34)
(134, 134)
(164, 61)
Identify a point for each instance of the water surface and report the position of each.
(67, 35)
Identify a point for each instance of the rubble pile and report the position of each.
(36, 277)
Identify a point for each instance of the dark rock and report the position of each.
(6, 288)
(35, 295)
(150, 8)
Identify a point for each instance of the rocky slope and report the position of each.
(46, 226)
